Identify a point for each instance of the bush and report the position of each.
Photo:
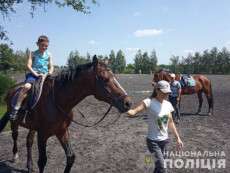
(5, 83)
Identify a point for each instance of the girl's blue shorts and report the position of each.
(30, 78)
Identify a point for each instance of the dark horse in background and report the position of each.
(203, 85)
(53, 113)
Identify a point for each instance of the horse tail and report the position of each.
(4, 121)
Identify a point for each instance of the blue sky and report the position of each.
(168, 26)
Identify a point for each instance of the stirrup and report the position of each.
(13, 115)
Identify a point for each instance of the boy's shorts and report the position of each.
(30, 78)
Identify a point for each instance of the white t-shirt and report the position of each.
(158, 118)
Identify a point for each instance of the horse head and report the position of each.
(161, 75)
(108, 89)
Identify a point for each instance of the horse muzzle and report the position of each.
(123, 104)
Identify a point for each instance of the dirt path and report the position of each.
(121, 147)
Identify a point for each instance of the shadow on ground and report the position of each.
(5, 168)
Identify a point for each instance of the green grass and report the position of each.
(2, 112)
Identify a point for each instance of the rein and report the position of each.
(105, 90)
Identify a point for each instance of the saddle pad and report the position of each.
(187, 81)
(36, 92)
(33, 95)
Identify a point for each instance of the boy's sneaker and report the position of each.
(14, 114)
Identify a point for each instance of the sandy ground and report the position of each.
(121, 147)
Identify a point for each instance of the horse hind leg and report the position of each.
(209, 97)
(29, 144)
(200, 98)
(14, 128)
(66, 145)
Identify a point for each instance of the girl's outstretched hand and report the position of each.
(131, 112)
(180, 144)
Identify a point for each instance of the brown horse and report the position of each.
(203, 85)
(53, 113)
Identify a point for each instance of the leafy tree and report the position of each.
(129, 69)
(100, 57)
(144, 63)
(223, 61)
(174, 61)
(120, 61)
(75, 59)
(112, 61)
(5, 83)
(196, 62)
(138, 61)
(21, 60)
(145, 66)
(7, 58)
(153, 60)
(205, 62)
(213, 59)
(88, 57)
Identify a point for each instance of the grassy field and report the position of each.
(2, 111)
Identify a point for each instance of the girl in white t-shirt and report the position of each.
(160, 118)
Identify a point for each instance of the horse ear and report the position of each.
(95, 60)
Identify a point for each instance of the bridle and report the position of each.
(101, 84)
(104, 90)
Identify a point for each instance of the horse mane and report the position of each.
(71, 73)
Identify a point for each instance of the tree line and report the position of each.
(11, 60)
(116, 61)
(213, 61)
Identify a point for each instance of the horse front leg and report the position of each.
(42, 160)
(200, 98)
(14, 129)
(29, 144)
(66, 145)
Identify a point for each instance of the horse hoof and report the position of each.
(30, 167)
(30, 170)
(16, 158)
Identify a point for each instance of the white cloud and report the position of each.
(137, 13)
(92, 42)
(148, 32)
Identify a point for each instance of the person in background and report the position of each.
(159, 120)
(174, 97)
(39, 64)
